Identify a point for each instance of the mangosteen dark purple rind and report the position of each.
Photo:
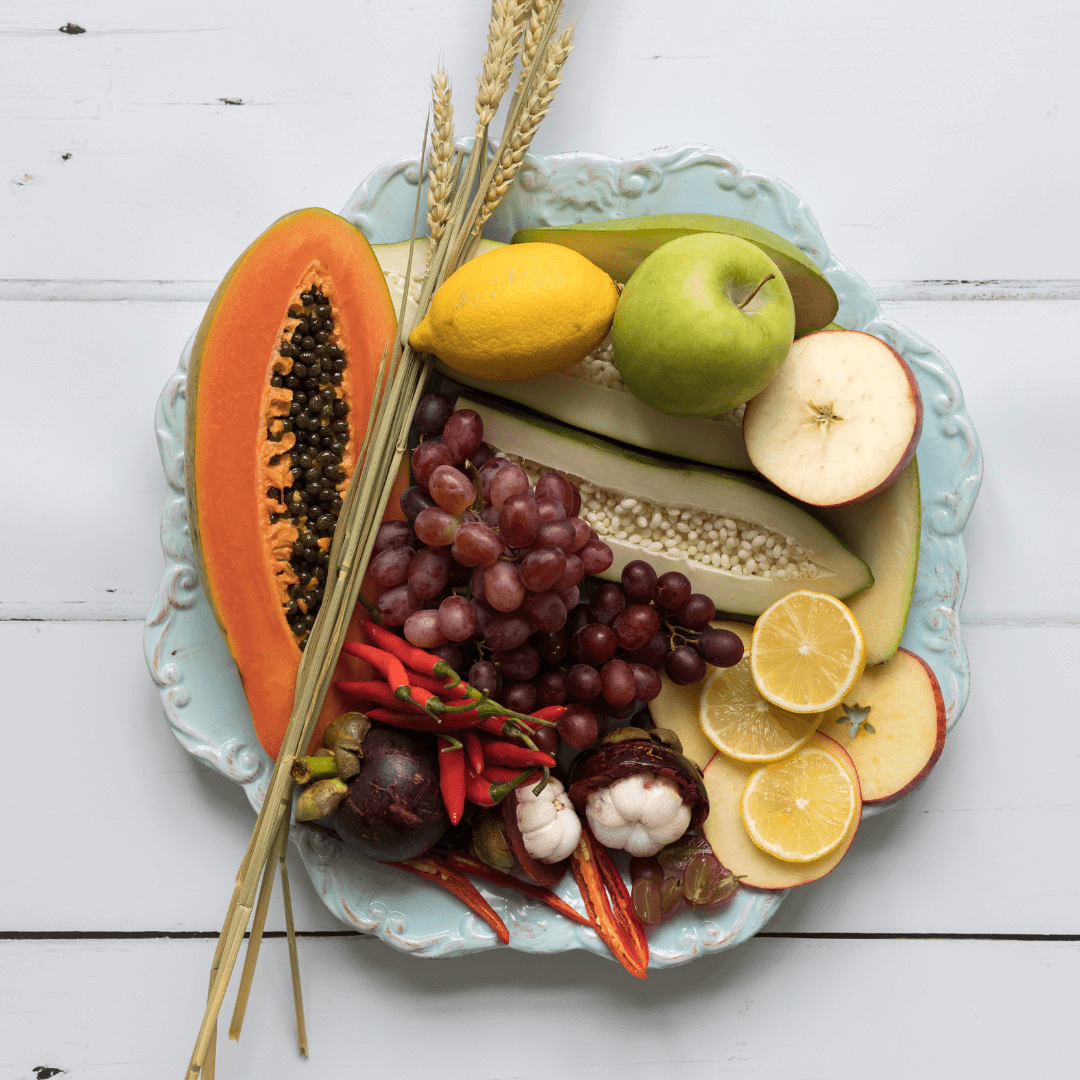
(393, 809)
(617, 761)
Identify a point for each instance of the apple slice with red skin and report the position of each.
(725, 779)
(907, 713)
(839, 421)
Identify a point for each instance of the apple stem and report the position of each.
(755, 292)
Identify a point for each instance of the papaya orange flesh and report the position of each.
(238, 458)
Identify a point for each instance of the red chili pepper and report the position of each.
(419, 721)
(501, 774)
(433, 869)
(500, 752)
(449, 693)
(550, 713)
(484, 792)
(469, 864)
(608, 904)
(382, 694)
(388, 666)
(452, 777)
(410, 655)
(473, 750)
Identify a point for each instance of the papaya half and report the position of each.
(279, 390)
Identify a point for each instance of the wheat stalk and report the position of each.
(541, 11)
(503, 46)
(539, 103)
(441, 158)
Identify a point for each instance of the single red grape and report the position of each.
(645, 902)
(482, 456)
(647, 682)
(550, 510)
(617, 683)
(546, 738)
(577, 727)
(484, 675)
(432, 413)
(569, 597)
(392, 534)
(594, 644)
(518, 696)
(426, 458)
(451, 489)
(503, 587)
(652, 653)
(518, 520)
(550, 688)
(457, 619)
(519, 664)
(541, 569)
(572, 575)
(684, 665)
(413, 500)
(582, 534)
(476, 544)
(487, 472)
(509, 480)
(696, 613)
(553, 648)
(429, 572)
(546, 610)
(462, 435)
(422, 629)
(583, 682)
(596, 557)
(391, 566)
(554, 534)
(671, 590)
(638, 581)
(553, 485)
(436, 527)
(507, 631)
(635, 626)
(397, 604)
(451, 653)
(607, 603)
(721, 648)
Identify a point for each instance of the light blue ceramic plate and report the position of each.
(200, 689)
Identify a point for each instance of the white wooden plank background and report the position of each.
(935, 142)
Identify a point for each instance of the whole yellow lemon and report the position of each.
(518, 311)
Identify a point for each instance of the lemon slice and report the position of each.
(807, 652)
(737, 720)
(801, 808)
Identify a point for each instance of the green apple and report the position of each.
(702, 325)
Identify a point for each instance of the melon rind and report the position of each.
(626, 472)
(617, 414)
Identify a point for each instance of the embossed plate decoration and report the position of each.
(200, 689)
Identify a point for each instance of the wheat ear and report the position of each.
(541, 11)
(504, 44)
(441, 158)
(513, 156)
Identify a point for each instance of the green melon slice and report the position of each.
(619, 246)
(579, 454)
(884, 530)
(617, 414)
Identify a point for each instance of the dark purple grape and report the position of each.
(553, 648)
(684, 665)
(457, 619)
(432, 413)
(397, 604)
(482, 456)
(546, 738)
(541, 569)
(490, 517)
(436, 527)
(645, 902)
(696, 613)
(671, 590)
(652, 653)
(546, 610)
(503, 587)
(594, 644)
(451, 489)
(484, 675)
(572, 575)
(554, 534)
(509, 480)
(487, 472)
(429, 572)
(476, 544)
(413, 501)
(607, 603)
(426, 458)
(569, 597)
(485, 613)
(518, 696)
(583, 682)
(620, 712)
(451, 653)
(721, 648)
(577, 727)
(392, 534)
(579, 616)
(519, 520)
(550, 688)
(647, 682)
(617, 683)
(635, 626)
(391, 567)
(462, 435)
(596, 557)
(507, 631)
(582, 534)
(422, 629)
(519, 664)
(553, 485)
(476, 584)
(638, 581)
(550, 511)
